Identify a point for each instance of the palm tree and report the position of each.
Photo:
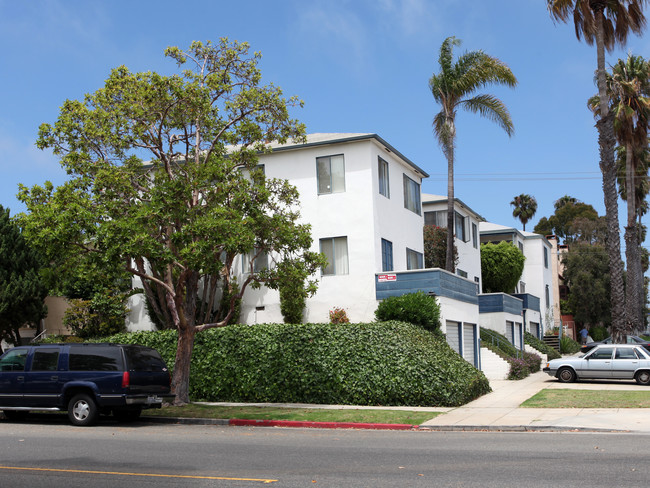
(628, 87)
(454, 87)
(606, 23)
(525, 207)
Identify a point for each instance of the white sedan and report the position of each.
(606, 361)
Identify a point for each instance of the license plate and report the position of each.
(154, 399)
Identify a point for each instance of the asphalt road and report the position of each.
(54, 454)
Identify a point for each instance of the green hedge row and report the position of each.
(383, 363)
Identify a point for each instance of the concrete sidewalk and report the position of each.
(500, 409)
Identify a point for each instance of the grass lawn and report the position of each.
(306, 414)
(560, 398)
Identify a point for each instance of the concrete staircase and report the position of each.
(493, 366)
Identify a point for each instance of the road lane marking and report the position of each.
(152, 475)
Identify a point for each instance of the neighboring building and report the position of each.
(466, 233)
(537, 278)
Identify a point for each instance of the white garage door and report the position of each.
(469, 341)
(453, 336)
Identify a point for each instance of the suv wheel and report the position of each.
(82, 410)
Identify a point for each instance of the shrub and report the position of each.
(103, 315)
(541, 346)
(568, 345)
(339, 316)
(384, 363)
(533, 361)
(518, 369)
(598, 333)
(415, 308)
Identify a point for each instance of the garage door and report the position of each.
(453, 336)
(469, 343)
(517, 341)
(510, 331)
(534, 329)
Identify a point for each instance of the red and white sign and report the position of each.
(386, 277)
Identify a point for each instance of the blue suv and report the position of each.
(85, 380)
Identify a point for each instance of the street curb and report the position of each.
(277, 423)
(370, 426)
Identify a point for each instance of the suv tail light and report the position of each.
(126, 379)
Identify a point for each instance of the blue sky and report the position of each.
(359, 66)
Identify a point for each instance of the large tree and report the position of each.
(454, 88)
(606, 23)
(435, 247)
(628, 86)
(524, 208)
(22, 290)
(163, 179)
(568, 211)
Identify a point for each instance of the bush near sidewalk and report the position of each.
(383, 363)
(541, 346)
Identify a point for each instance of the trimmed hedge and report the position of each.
(541, 346)
(383, 363)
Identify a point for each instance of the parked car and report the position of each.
(631, 339)
(616, 361)
(84, 380)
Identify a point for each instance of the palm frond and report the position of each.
(491, 108)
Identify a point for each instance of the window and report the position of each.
(335, 250)
(546, 258)
(412, 195)
(461, 273)
(414, 259)
(45, 360)
(246, 172)
(603, 353)
(260, 262)
(331, 174)
(521, 246)
(95, 358)
(14, 360)
(459, 223)
(474, 236)
(386, 255)
(437, 218)
(522, 287)
(547, 297)
(383, 178)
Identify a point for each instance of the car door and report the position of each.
(43, 381)
(598, 364)
(12, 377)
(625, 363)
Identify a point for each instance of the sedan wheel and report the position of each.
(643, 378)
(566, 375)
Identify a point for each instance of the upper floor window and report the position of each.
(461, 230)
(382, 168)
(412, 195)
(386, 255)
(246, 172)
(260, 261)
(461, 273)
(437, 218)
(545, 257)
(335, 250)
(474, 235)
(414, 259)
(331, 174)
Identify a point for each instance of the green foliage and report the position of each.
(501, 267)
(415, 308)
(586, 273)
(339, 316)
(435, 247)
(524, 208)
(598, 333)
(102, 316)
(572, 221)
(21, 287)
(541, 346)
(568, 345)
(295, 287)
(389, 363)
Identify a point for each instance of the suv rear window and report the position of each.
(143, 359)
(95, 358)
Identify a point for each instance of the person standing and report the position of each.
(583, 335)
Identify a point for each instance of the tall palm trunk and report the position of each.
(607, 142)
(449, 256)
(632, 255)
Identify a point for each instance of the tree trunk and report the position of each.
(449, 255)
(181, 378)
(607, 142)
(632, 255)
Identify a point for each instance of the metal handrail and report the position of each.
(499, 340)
(38, 336)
